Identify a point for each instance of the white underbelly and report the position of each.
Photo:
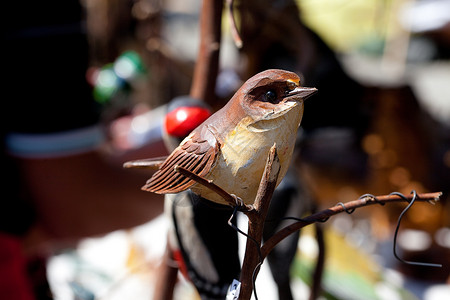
(242, 159)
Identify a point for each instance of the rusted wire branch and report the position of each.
(256, 213)
(348, 207)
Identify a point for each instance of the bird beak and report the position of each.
(302, 92)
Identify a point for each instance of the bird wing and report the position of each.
(197, 153)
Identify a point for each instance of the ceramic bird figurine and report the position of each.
(230, 147)
(203, 244)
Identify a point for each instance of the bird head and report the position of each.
(272, 93)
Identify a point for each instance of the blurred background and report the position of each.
(379, 124)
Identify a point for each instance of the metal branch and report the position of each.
(150, 163)
(256, 213)
(349, 206)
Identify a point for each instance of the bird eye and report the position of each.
(270, 96)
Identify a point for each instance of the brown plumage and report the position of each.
(197, 154)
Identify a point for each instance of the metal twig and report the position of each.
(150, 163)
(327, 213)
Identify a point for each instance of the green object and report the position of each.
(129, 66)
(118, 76)
(107, 84)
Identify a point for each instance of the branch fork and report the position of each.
(255, 252)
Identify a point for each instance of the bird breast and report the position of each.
(243, 154)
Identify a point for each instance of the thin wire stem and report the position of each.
(415, 263)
